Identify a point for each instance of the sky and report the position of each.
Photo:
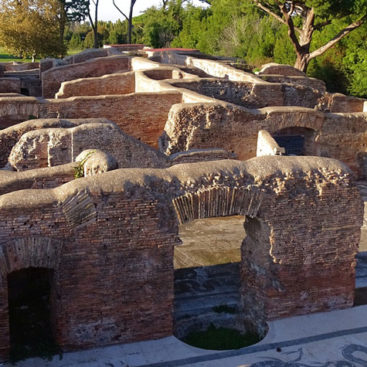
(108, 12)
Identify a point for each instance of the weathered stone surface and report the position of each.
(109, 238)
(10, 136)
(52, 78)
(95, 162)
(291, 79)
(9, 85)
(40, 178)
(235, 129)
(91, 53)
(56, 146)
(281, 69)
(199, 155)
(17, 109)
(340, 103)
(254, 95)
(119, 229)
(266, 145)
(20, 66)
(85, 55)
(119, 83)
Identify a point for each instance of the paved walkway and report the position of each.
(331, 339)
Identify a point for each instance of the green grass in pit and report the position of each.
(220, 339)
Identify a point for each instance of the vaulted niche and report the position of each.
(207, 282)
(30, 312)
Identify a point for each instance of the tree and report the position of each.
(304, 17)
(128, 18)
(31, 27)
(94, 22)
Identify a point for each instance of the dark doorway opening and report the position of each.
(29, 295)
(293, 144)
(207, 307)
(297, 141)
(24, 91)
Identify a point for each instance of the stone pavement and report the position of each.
(331, 339)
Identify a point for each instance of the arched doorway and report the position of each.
(207, 275)
(30, 313)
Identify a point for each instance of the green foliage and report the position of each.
(233, 28)
(79, 168)
(354, 62)
(79, 36)
(220, 338)
(283, 49)
(161, 26)
(31, 28)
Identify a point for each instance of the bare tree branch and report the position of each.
(344, 32)
(291, 28)
(276, 16)
(265, 9)
(114, 3)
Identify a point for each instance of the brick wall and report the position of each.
(235, 129)
(110, 241)
(142, 115)
(52, 78)
(120, 83)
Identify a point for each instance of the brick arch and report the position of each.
(21, 253)
(286, 268)
(218, 202)
(18, 254)
(244, 200)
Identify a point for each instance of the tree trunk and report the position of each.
(302, 61)
(132, 3)
(95, 36)
(62, 24)
(96, 24)
(130, 30)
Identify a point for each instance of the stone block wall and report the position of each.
(139, 271)
(10, 136)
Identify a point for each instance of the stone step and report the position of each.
(200, 304)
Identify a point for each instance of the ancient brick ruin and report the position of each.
(192, 138)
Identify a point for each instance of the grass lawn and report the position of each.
(6, 57)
